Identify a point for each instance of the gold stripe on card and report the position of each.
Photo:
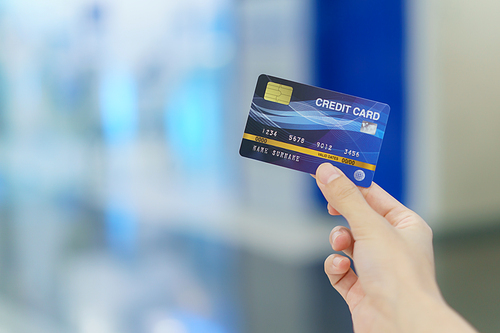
(308, 151)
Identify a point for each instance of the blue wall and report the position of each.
(359, 51)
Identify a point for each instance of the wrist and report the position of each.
(430, 313)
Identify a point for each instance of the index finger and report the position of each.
(382, 202)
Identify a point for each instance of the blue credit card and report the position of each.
(300, 126)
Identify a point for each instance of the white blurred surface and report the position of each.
(454, 75)
(124, 203)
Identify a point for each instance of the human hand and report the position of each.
(394, 288)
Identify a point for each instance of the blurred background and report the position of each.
(125, 206)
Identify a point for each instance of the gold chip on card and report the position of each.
(278, 93)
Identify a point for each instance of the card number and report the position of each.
(323, 146)
(296, 139)
(351, 153)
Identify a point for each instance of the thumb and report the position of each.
(346, 198)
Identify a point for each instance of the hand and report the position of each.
(394, 288)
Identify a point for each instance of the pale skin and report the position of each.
(394, 288)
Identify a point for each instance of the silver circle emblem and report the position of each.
(359, 175)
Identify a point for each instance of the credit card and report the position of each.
(299, 126)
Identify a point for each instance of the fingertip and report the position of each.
(326, 173)
(340, 262)
(340, 238)
(334, 231)
(337, 264)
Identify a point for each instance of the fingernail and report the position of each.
(335, 235)
(326, 173)
(336, 261)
